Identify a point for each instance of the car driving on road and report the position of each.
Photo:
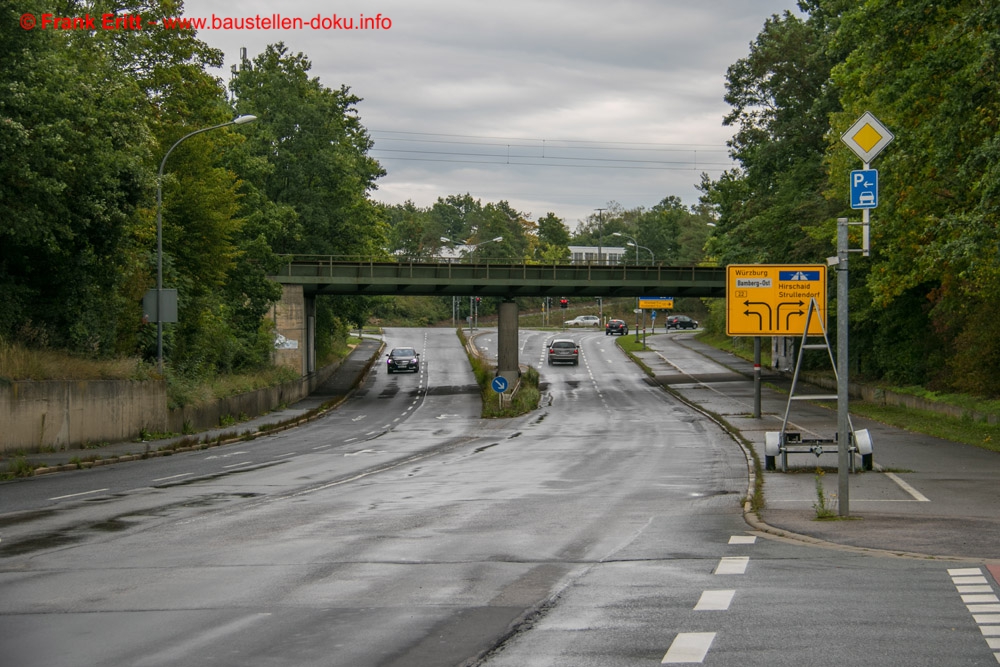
(584, 321)
(681, 322)
(616, 327)
(563, 350)
(402, 359)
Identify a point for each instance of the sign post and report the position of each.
(499, 385)
(867, 137)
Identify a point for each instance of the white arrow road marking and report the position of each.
(359, 418)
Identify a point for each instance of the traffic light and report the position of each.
(478, 299)
(564, 302)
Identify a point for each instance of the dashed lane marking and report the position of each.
(74, 495)
(715, 600)
(733, 565)
(689, 647)
(183, 474)
(742, 539)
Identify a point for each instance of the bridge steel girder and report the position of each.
(318, 275)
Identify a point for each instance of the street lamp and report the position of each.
(633, 243)
(652, 259)
(470, 248)
(240, 120)
(600, 232)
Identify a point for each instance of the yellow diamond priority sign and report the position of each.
(773, 300)
(867, 137)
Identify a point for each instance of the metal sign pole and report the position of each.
(843, 421)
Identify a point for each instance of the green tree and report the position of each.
(317, 149)
(73, 141)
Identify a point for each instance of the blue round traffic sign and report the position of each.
(499, 384)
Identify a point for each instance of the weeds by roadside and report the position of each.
(524, 400)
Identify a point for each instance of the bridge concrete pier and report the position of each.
(295, 325)
(508, 364)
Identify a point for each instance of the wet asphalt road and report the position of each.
(604, 529)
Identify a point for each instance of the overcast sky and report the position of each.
(553, 105)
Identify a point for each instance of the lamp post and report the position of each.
(633, 243)
(600, 232)
(240, 120)
(652, 258)
(471, 248)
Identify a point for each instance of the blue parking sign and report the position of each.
(864, 188)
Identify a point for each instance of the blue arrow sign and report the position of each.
(864, 188)
(499, 384)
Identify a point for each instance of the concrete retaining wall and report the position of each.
(39, 415)
(35, 416)
(250, 404)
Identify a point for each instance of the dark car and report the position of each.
(681, 322)
(403, 359)
(564, 350)
(616, 327)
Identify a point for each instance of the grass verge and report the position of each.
(522, 401)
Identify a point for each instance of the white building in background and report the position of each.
(587, 254)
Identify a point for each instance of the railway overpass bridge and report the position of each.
(305, 276)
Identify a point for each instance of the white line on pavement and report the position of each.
(183, 474)
(74, 495)
(715, 600)
(689, 647)
(906, 487)
(733, 565)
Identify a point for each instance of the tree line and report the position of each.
(85, 120)
(923, 305)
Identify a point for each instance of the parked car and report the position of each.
(616, 327)
(402, 359)
(681, 322)
(584, 321)
(563, 350)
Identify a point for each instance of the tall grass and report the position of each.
(18, 362)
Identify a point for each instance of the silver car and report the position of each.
(564, 350)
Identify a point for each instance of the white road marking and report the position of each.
(74, 495)
(689, 647)
(163, 479)
(715, 600)
(350, 439)
(359, 418)
(972, 599)
(986, 619)
(981, 601)
(733, 565)
(906, 487)
(965, 571)
(322, 447)
(239, 465)
(742, 539)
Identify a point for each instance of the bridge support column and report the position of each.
(507, 362)
(291, 323)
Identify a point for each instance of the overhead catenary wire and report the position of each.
(560, 153)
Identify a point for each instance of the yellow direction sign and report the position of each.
(867, 137)
(773, 299)
(655, 302)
